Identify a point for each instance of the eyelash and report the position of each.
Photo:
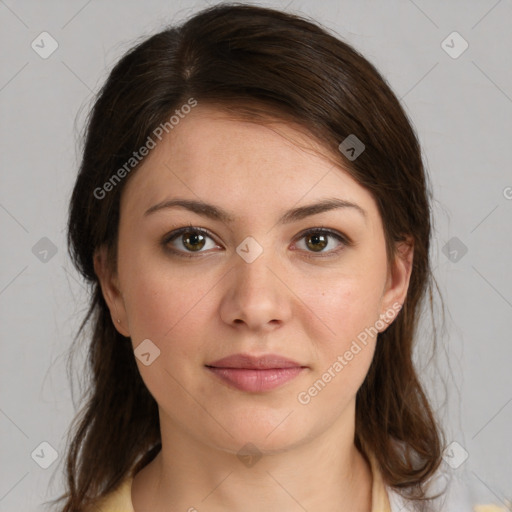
(346, 242)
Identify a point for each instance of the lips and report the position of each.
(265, 362)
(255, 374)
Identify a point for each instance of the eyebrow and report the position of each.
(295, 214)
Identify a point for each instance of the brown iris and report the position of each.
(193, 240)
(319, 239)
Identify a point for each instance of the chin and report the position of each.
(265, 432)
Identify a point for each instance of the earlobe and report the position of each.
(397, 283)
(110, 289)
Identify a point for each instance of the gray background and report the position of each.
(461, 108)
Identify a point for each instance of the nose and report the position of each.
(256, 296)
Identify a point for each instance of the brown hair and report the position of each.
(236, 54)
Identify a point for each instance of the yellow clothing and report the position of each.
(120, 499)
(490, 508)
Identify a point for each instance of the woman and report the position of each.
(253, 215)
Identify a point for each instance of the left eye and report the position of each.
(316, 240)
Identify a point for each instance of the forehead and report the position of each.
(247, 167)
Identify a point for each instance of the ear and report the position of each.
(397, 282)
(112, 294)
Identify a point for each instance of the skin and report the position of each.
(199, 309)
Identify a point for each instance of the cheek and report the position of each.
(170, 307)
(348, 352)
(344, 355)
(160, 305)
(346, 303)
(171, 311)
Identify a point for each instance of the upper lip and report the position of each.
(247, 361)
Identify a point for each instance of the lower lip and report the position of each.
(256, 380)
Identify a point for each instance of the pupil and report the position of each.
(318, 239)
(190, 241)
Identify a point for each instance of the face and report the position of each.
(311, 286)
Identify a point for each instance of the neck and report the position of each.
(324, 474)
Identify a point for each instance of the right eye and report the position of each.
(191, 238)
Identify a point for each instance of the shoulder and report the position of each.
(119, 500)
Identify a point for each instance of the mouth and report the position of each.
(255, 374)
